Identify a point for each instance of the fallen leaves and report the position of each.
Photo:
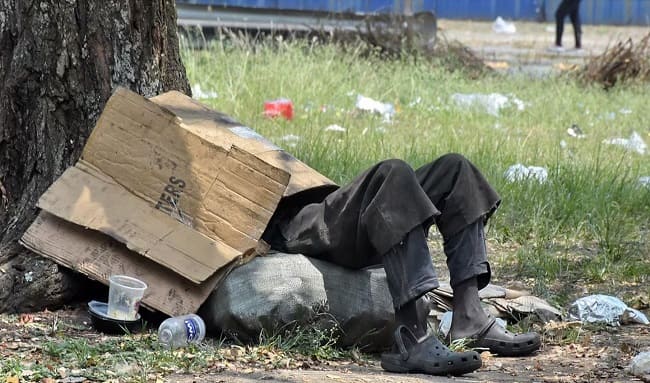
(26, 318)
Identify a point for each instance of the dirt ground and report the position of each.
(526, 50)
(597, 356)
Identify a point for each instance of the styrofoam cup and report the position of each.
(124, 296)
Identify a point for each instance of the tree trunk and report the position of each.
(60, 60)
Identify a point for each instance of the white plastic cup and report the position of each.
(124, 296)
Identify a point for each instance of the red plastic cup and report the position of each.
(281, 107)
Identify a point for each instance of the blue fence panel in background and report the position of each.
(488, 9)
(621, 12)
(617, 12)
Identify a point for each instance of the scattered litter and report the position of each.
(605, 309)
(519, 172)
(492, 103)
(644, 181)
(640, 365)
(291, 140)
(415, 102)
(281, 107)
(445, 323)
(198, 93)
(370, 105)
(563, 144)
(29, 276)
(625, 111)
(634, 143)
(335, 128)
(502, 26)
(575, 131)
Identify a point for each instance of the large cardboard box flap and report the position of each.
(190, 204)
(219, 128)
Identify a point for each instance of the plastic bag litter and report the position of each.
(605, 309)
(370, 105)
(445, 323)
(634, 143)
(198, 93)
(640, 365)
(335, 128)
(502, 26)
(519, 172)
(644, 181)
(575, 131)
(491, 103)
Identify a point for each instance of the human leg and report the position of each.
(560, 14)
(470, 272)
(574, 16)
(466, 201)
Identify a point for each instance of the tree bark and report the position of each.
(60, 60)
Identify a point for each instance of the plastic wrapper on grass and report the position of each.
(635, 143)
(605, 309)
(519, 172)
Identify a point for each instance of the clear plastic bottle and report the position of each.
(180, 331)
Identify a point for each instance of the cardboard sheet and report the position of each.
(99, 256)
(189, 204)
(167, 191)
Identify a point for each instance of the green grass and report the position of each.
(589, 220)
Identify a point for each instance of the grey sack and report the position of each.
(272, 291)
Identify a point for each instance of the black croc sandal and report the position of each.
(502, 342)
(427, 355)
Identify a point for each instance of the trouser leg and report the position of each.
(459, 190)
(381, 217)
(560, 14)
(409, 270)
(577, 27)
(467, 255)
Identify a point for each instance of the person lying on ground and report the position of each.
(383, 218)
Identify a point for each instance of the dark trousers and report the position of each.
(382, 218)
(569, 8)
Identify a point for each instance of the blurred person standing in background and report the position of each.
(566, 8)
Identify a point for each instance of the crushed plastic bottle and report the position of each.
(180, 331)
